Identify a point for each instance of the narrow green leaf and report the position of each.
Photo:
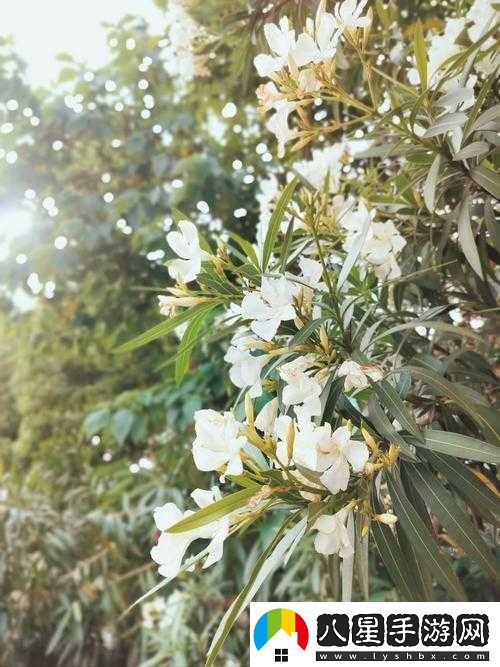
(420, 53)
(275, 221)
(445, 123)
(392, 556)
(214, 511)
(396, 406)
(361, 557)
(466, 236)
(385, 428)
(473, 114)
(429, 189)
(472, 150)
(245, 245)
(163, 328)
(487, 179)
(422, 540)
(486, 418)
(453, 518)
(431, 324)
(467, 484)
(460, 446)
(488, 120)
(285, 250)
(309, 328)
(189, 339)
(271, 558)
(491, 225)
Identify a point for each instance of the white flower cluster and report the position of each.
(382, 242)
(300, 54)
(180, 59)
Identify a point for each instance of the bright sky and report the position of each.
(44, 28)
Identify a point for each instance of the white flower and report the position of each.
(269, 307)
(268, 95)
(354, 220)
(461, 97)
(356, 376)
(281, 40)
(330, 454)
(302, 391)
(441, 48)
(333, 536)
(307, 82)
(482, 15)
(383, 240)
(186, 245)
(348, 14)
(218, 442)
(246, 367)
(382, 243)
(171, 547)
(325, 162)
(219, 529)
(319, 43)
(345, 452)
(167, 305)
(278, 124)
(266, 418)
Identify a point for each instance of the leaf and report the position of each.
(466, 237)
(214, 511)
(188, 341)
(486, 418)
(460, 446)
(472, 150)
(96, 421)
(488, 120)
(309, 328)
(384, 427)
(285, 250)
(420, 51)
(431, 324)
(467, 484)
(352, 255)
(487, 179)
(347, 566)
(271, 558)
(396, 406)
(453, 518)
(163, 328)
(491, 225)
(362, 562)
(275, 221)
(456, 96)
(429, 189)
(392, 556)
(121, 423)
(445, 123)
(421, 540)
(245, 245)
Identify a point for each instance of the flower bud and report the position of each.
(249, 410)
(387, 518)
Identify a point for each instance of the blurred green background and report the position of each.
(92, 165)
